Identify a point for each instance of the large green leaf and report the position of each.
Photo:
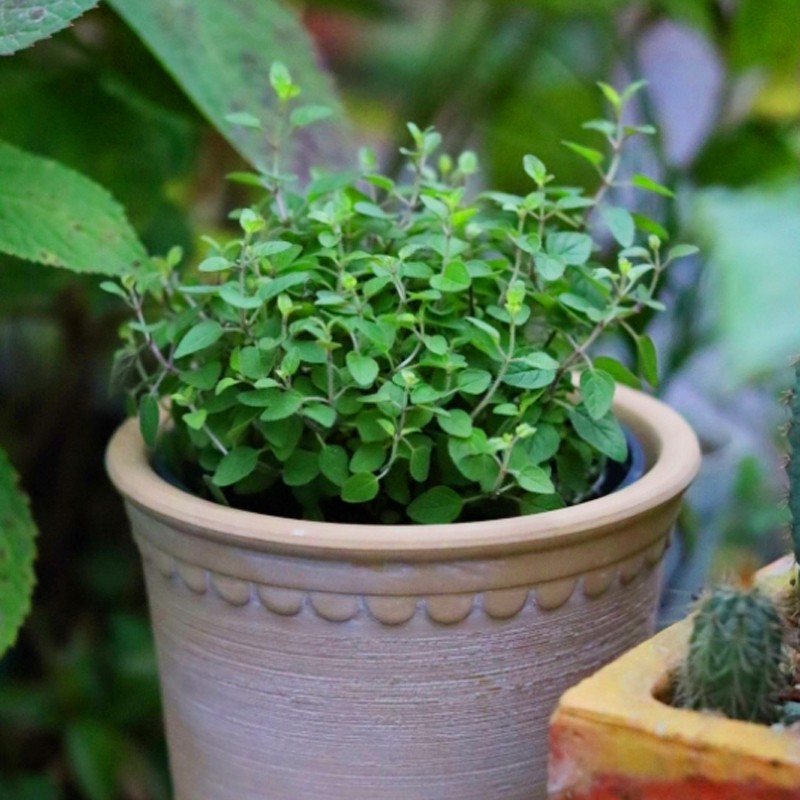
(752, 238)
(17, 552)
(23, 22)
(52, 215)
(221, 53)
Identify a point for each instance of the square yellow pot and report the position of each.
(611, 739)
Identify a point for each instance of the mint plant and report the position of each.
(377, 351)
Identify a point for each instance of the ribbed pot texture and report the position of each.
(316, 661)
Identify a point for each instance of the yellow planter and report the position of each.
(611, 739)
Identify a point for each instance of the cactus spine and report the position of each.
(735, 659)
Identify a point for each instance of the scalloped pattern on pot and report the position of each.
(445, 609)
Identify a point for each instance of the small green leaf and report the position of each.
(368, 457)
(300, 468)
(333, 464)
(643, 182)
(281, 404)
(321, 413)
(363, 368)
(524, 376)
(457, 422)
(683, 250)
(535, 169)
(454, 278)
(196, 419)
(370, 210)
(235, 465)
(597, 390)
(571, 248)
(534, 479)
(17, 554)
(551, 268)
(244, 119)
(360, 488)
(308, 115)
(647, 359)
(604, 434)
(473, 381)
(198, 337)
(619, 372)
(437, 506)
(419, 465)
(594, 157)
(620, 223)
(148, 419)
(611, 95)
(204, 378)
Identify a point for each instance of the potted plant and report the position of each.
(706, 709)
(378, 519)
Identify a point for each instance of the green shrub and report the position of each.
(398, 350)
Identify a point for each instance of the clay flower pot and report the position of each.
(304, 660)
(611, 738)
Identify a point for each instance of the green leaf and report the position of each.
(620, 223)
(281, 404)
(17, 554)
(619, 372)
(647, 359)
(333, 464)
(363, 368)
(597, 391)
(594, 157)
(321, 413)
(534, 479)
(571, 248)
(204, 377)
(368, 457)
(222, 53)
(611, 95)
(437, 506)
(454, 278)
(300, 468)
(148, 419)
(308, 115)
(198, 337)
(525, 376)
(604, 434)
(473, 381)
(456, 422)
(551, 268)
(235, 465)
(54, 216)
(643, 182)
(360, 488)
(683, 250)
(24, 22)
(196, 419)
(370, 210)
(96, 753)
(535, 169)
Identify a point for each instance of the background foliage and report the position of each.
(79, 715)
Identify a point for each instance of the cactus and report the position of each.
(735, 662)
(793, 464)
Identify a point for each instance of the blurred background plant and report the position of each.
(79, 713)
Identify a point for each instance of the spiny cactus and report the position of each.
(793, 464)
(735, 662)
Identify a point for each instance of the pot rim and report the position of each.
(671, 446)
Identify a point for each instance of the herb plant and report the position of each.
(377, 351)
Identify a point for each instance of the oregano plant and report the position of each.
(380, 350)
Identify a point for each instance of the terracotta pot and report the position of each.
(612, 739)
(315, 661)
